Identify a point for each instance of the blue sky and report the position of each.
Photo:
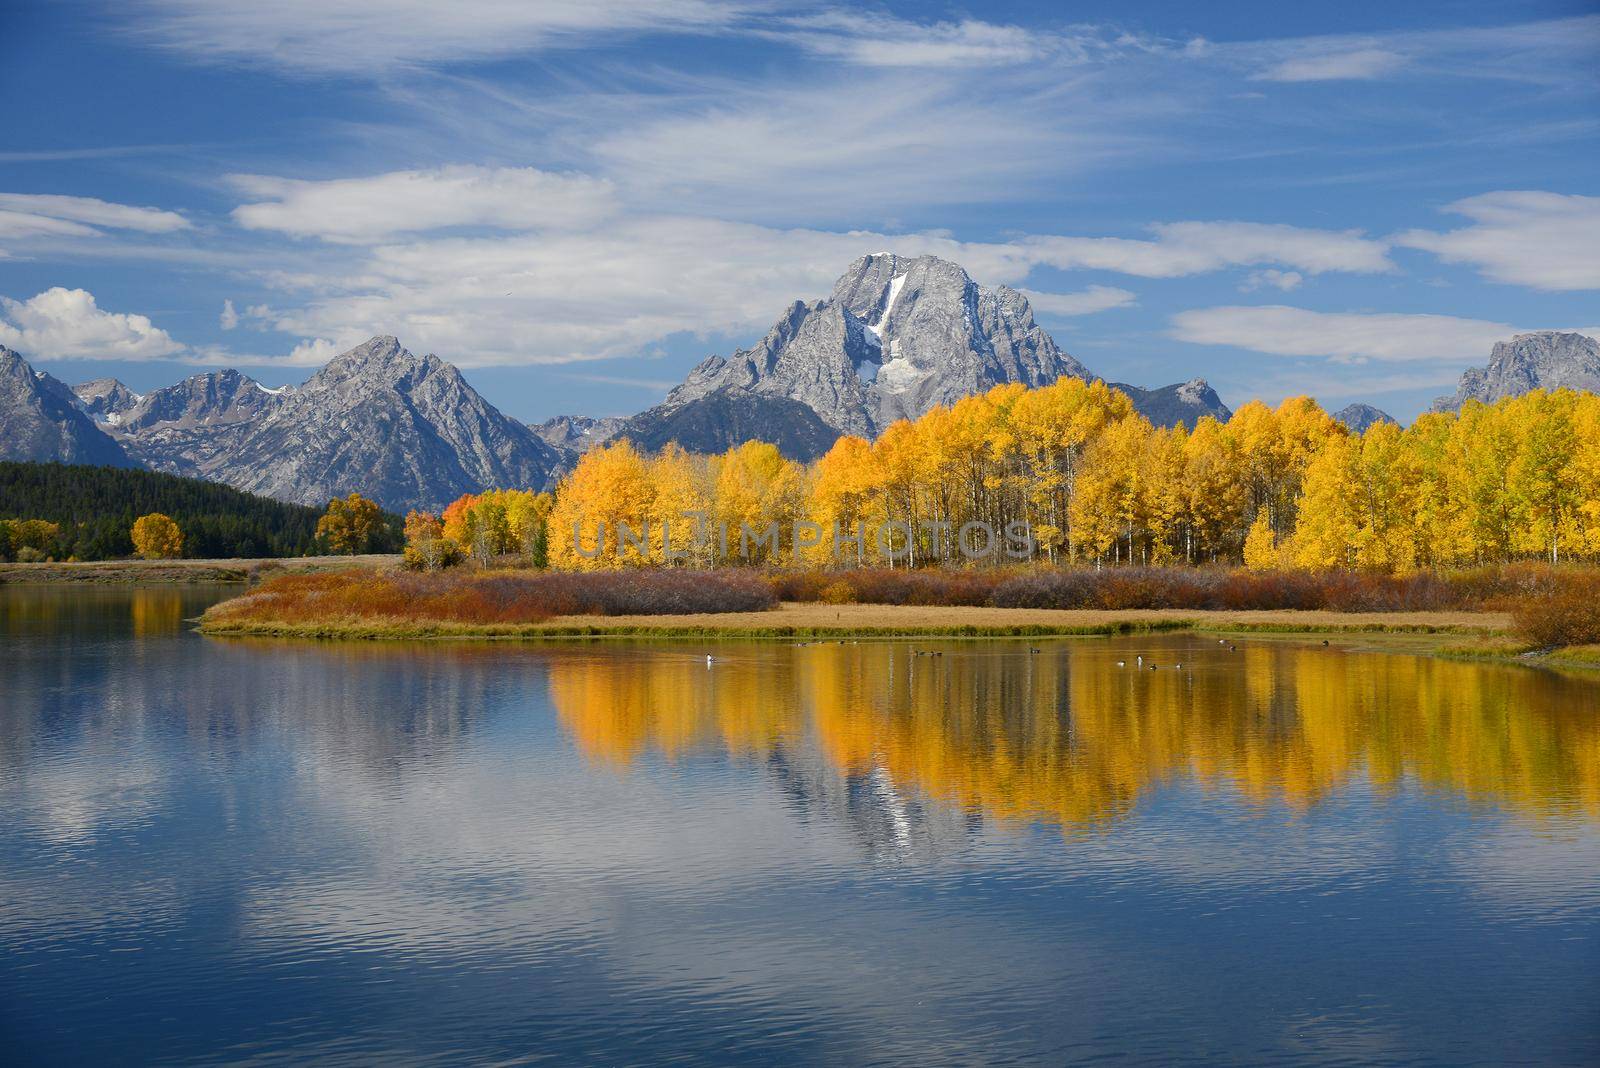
(577, 200)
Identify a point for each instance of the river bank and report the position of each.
(812, 620)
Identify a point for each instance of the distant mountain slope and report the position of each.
(1545, 359)
(577, 433)
(1359, 418)
(722, 420)
(1186, 403)
(40, 420)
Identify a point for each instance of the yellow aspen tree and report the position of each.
(157, 537)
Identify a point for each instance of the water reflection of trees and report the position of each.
(1068, 737)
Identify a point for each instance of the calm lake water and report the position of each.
(610, 853)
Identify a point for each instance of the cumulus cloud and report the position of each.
(1342, 336)
(359, 38)
(1197, 247)
(363, 210)
(1529, 238)
(68, 324)
(26, 215)
(1091, 300)
(229, 317)
(1357, 64)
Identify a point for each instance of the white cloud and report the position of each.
(23, 224)
(1196, 247)
(361, 38)
(33, 215)
(363, 210)
(229, 317)
(1342, 336)
(883, 41)
(1357, 64)
(1529, 238)
(1091, 300)
(67, 324)
(1276, 279)
(614, 289)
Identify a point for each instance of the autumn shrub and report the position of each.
(492, 598)
(1566, 611)
(1199, 588)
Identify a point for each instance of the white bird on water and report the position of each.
(708, 660)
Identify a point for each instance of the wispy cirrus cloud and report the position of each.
(1187, 248)
(878, 40)
(1530, 238)
(55, 215)
(363, 38)
(1350, 337)
(362, 210)
(1356, 64)
(1088, 302)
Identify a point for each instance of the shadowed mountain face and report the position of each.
(1545, 359)
(722, 420)
(1185, 402)
(40, 420)
(1359, 418)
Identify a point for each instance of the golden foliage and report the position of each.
(1072, 739)
(349, 524)
(157, 537)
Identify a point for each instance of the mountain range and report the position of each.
(896, 337)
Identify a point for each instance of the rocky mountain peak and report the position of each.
(897, 336)
(381, 360)
(106, 400)
(1359, 418)
(1544, 359)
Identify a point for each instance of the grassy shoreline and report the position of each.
(811, 620)
(170, 572)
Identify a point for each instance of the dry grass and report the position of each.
(824, 620)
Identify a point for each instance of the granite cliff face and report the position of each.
(40, 420)
(1545, 359)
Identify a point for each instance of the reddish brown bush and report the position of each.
(1121, 588)
(495, 598)
(1566, 611)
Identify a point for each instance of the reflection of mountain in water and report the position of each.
(888, 819)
